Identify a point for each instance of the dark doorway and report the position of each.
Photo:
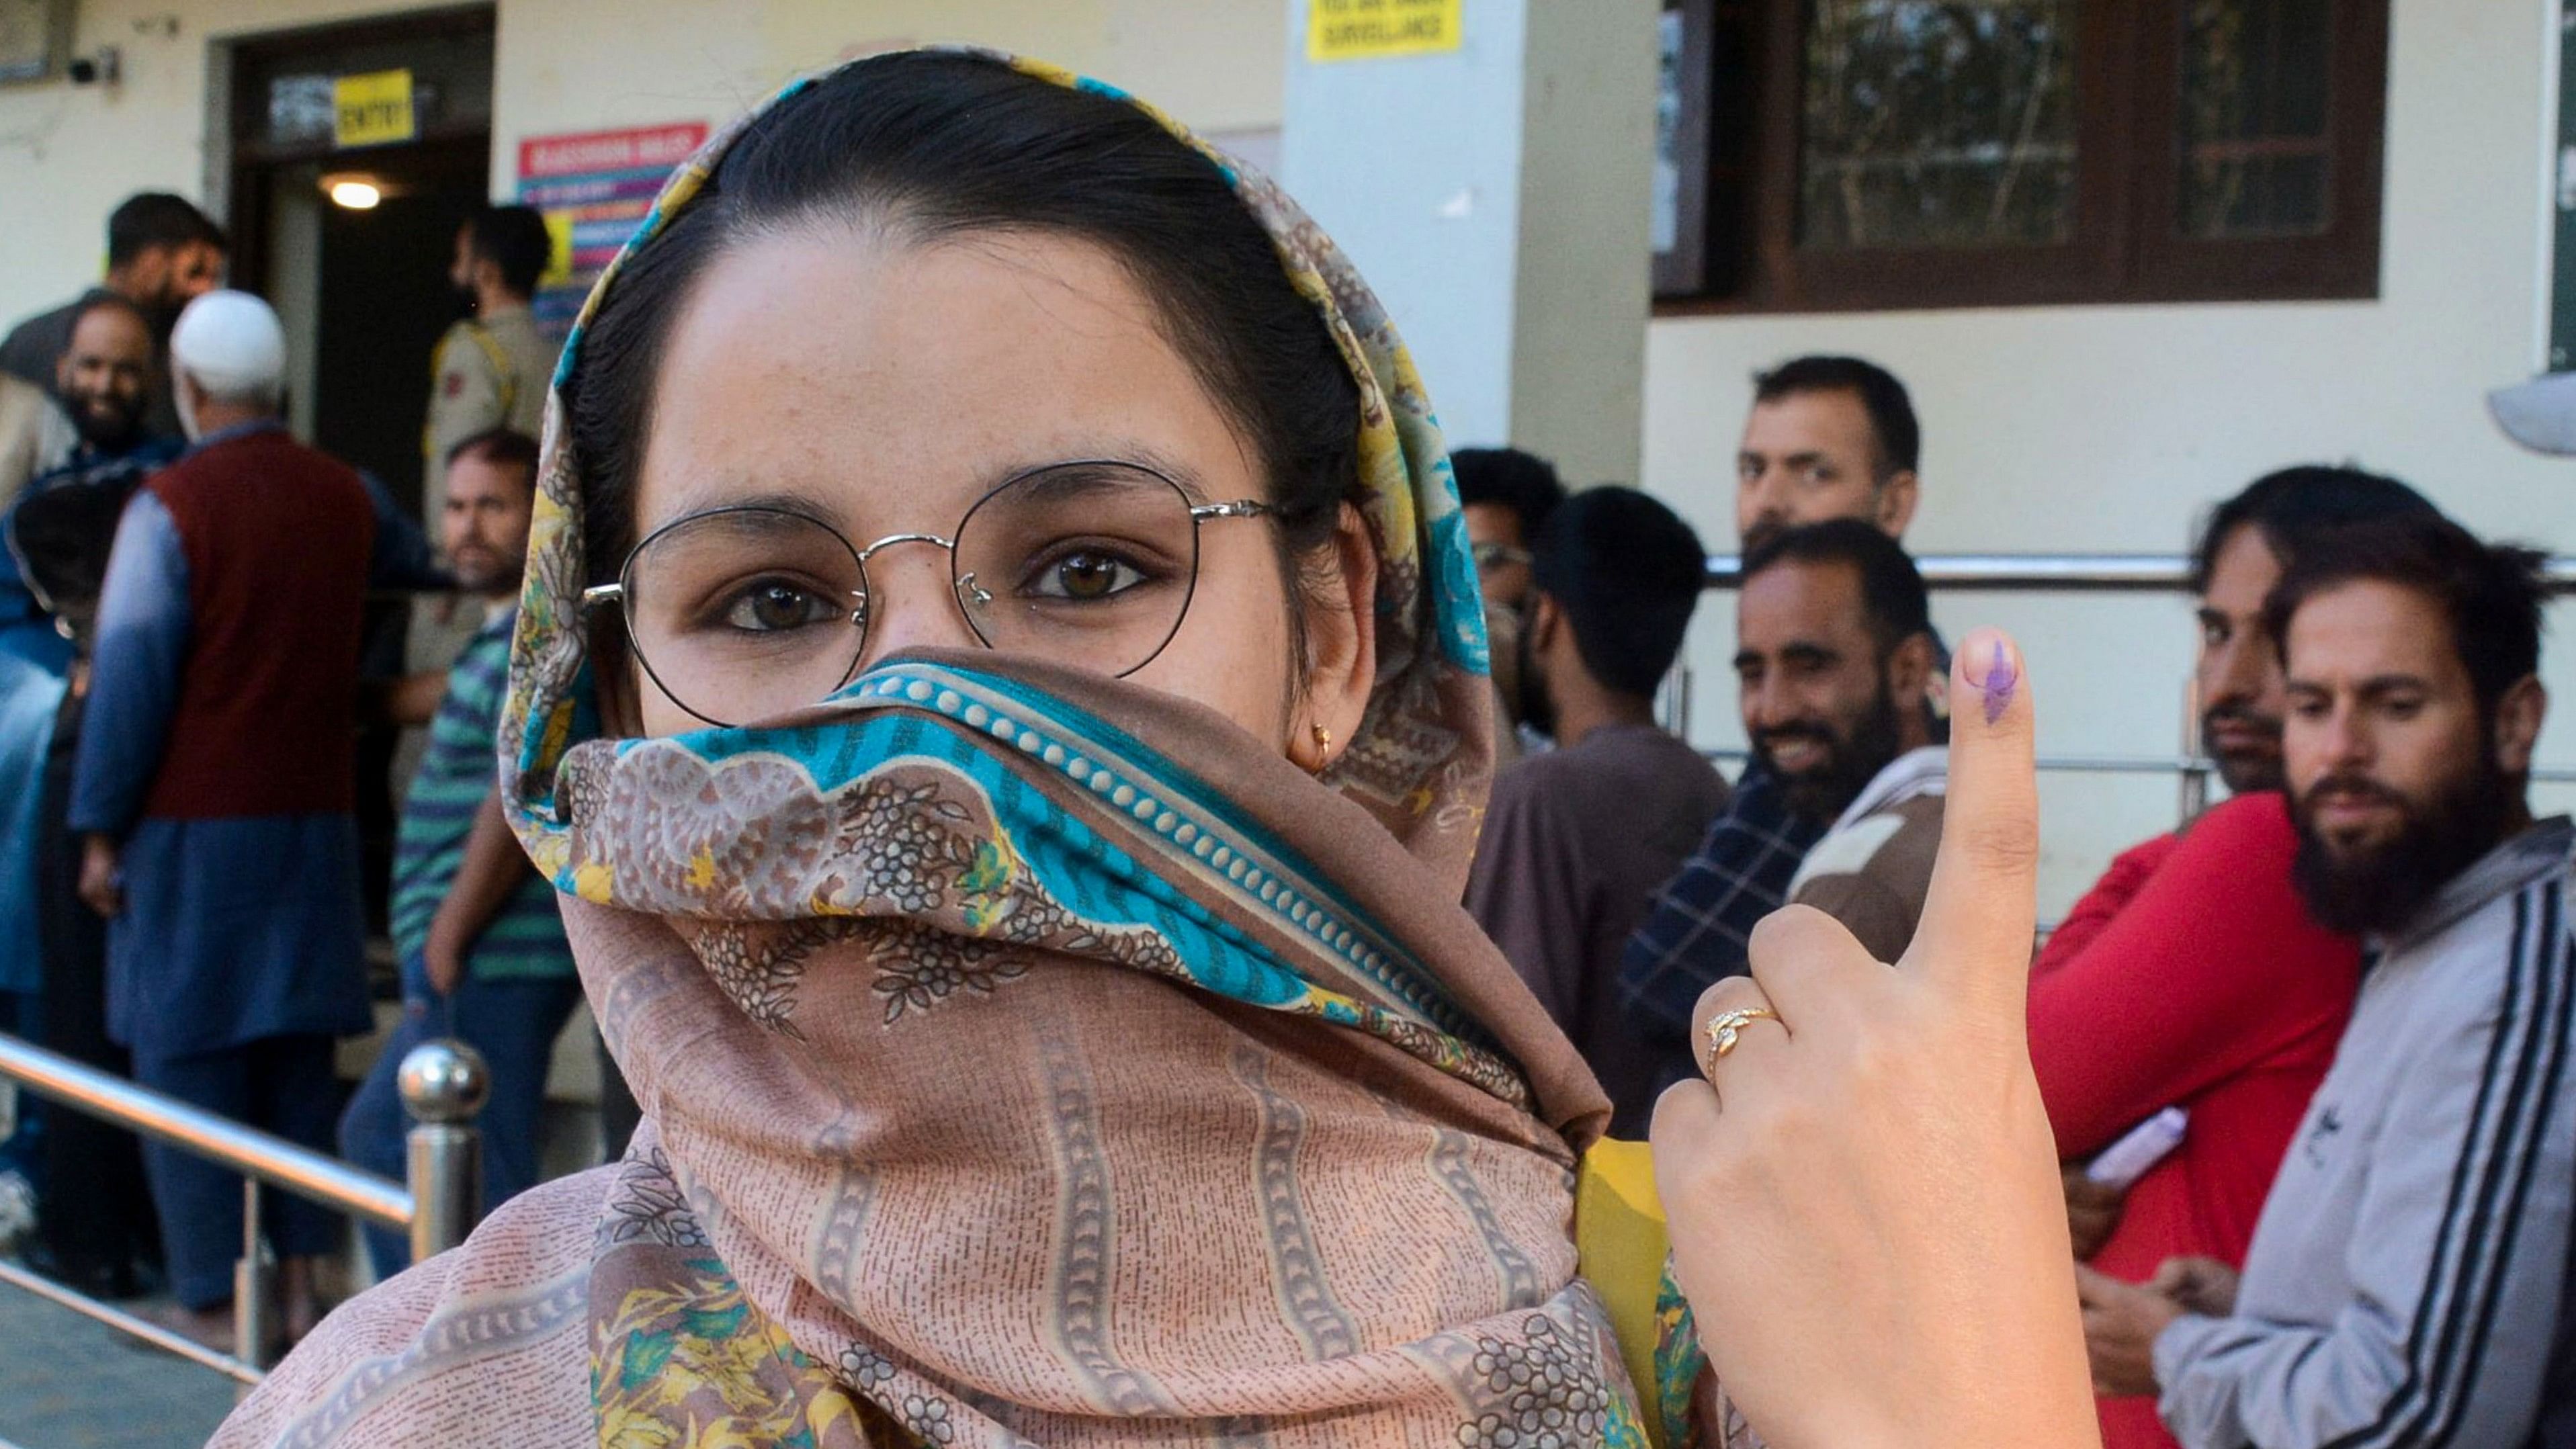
(363, 292)
(383, 300)
(362, 289)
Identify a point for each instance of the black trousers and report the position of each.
(97, 1211)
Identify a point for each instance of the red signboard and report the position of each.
(637, 148)
(595, 189)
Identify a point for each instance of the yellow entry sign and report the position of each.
(372, 109)
(1363, 29)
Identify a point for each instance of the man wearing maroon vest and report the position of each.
(215, 792)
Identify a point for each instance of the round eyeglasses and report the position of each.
(747, 611)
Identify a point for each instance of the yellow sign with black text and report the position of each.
(1368, 29)
(372, 109)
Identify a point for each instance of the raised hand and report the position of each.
(1863, 1196)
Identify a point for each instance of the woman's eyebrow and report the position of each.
(700, 495)
(1120, 451)
(708, 495)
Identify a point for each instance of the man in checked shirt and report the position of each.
(1828, 437)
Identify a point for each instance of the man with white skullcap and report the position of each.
(215, 792)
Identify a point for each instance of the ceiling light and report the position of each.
(356, 195)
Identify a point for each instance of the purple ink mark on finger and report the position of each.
(1997, 691)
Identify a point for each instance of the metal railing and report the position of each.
(2082, 573)
(442, 1086)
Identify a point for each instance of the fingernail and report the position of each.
(1998, 679)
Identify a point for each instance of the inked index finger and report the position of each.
(1975, 934)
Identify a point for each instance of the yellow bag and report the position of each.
(1620, 1246)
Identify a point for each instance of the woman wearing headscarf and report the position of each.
(1001, 685)
(1001, 688)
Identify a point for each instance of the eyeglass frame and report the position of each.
(1200, 513)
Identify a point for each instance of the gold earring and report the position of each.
(1323, 748)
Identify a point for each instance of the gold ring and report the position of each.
(1727, 1026)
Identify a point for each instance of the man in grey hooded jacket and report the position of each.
(2405, 1279)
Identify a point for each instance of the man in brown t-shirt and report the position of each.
(1577, 838)
(1834, 644)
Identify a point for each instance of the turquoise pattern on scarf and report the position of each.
(981, 717)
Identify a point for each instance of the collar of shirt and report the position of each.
(1924, 770)
(2546, 846)
(149, 448)
(252, 428)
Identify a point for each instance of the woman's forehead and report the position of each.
(863, 375)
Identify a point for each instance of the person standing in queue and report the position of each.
(1826, 438)
(101, 450)
(482, 944)
(491, 368)
(215, 791)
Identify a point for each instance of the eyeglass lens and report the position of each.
(741, 613)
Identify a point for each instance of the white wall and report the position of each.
(571, 66)
(1507, 233)
(1438, 223)
(2111, 428)
(69, 154)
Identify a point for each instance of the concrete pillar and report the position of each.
(1496, 194)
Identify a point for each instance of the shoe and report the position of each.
(17, 1211)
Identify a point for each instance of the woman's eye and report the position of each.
(775, 604)
(1085, 575)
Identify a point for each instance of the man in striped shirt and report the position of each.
(2404, 1280)
(482, 942)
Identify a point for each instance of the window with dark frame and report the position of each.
(1880, 154)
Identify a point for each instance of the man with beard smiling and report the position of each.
(104, 379)
(2405, 1275)
(162, 254)
(93, 430)
(2192, 975)
(1835, 645)
(92, 410)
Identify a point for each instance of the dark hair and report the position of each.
(502, 447)
(2490, 593)
(1891, 588)
(2288, 505)
(150, 219)
(513, 238)
(103, 301)
(1523, 482)
(1891, 412)
(926, 146)
(1627, 572)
